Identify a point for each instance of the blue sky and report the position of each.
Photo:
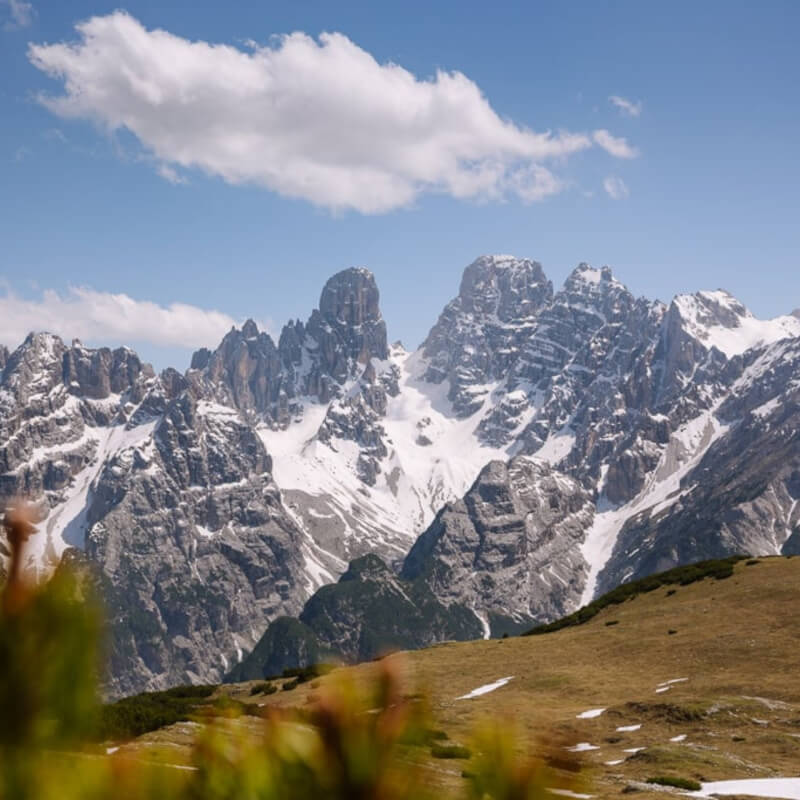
(176, 189)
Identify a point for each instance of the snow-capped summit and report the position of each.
(717, 319)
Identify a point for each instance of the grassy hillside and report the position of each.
(730, 647)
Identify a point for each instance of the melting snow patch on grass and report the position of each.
(784, 788)
(678, 738)
(582, 747)
(591, 713)
(665, 686)
(485, 689)
(568, 793)
(627, 728)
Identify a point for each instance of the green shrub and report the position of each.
(292, 684)
(305, 674)
(191, 691)
(263, 688)
(450, 751)
(677, 783)
(149, 711)
(718, 569)
(612, 622)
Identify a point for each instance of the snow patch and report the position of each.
(486, 688)
(66, 524)
(582, 747)
(591, 713)
(785, 788)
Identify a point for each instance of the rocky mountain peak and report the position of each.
(508, 287)
(250, 329)
(34, 368)
(313, 359)
(99, 373)
(367, 567)
(479, 333)
(349, 327)
(591, 281)
(716, 319)
(351, 297)
(709, 308)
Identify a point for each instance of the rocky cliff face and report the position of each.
(510, 549)
(741, 495)
(538, 448)
(370, 611)
(190, 529)
(478, 334)
(166, 485)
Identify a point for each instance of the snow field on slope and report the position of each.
(683, 452)
(734, 340)
(66, 524)
(416, 480)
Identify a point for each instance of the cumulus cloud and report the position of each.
(318, 119)
(631, 108)
(616, 146)
(615, 188)
(20, 14)
(101, 316)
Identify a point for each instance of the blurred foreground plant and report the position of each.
(353, 741)
(348, 744)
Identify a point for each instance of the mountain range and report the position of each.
(335, 494)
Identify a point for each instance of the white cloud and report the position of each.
(615, 187)
(170, 175)
(20, 14)
(631, 108)
(319, 119)
(101, 316)
(616, 146)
